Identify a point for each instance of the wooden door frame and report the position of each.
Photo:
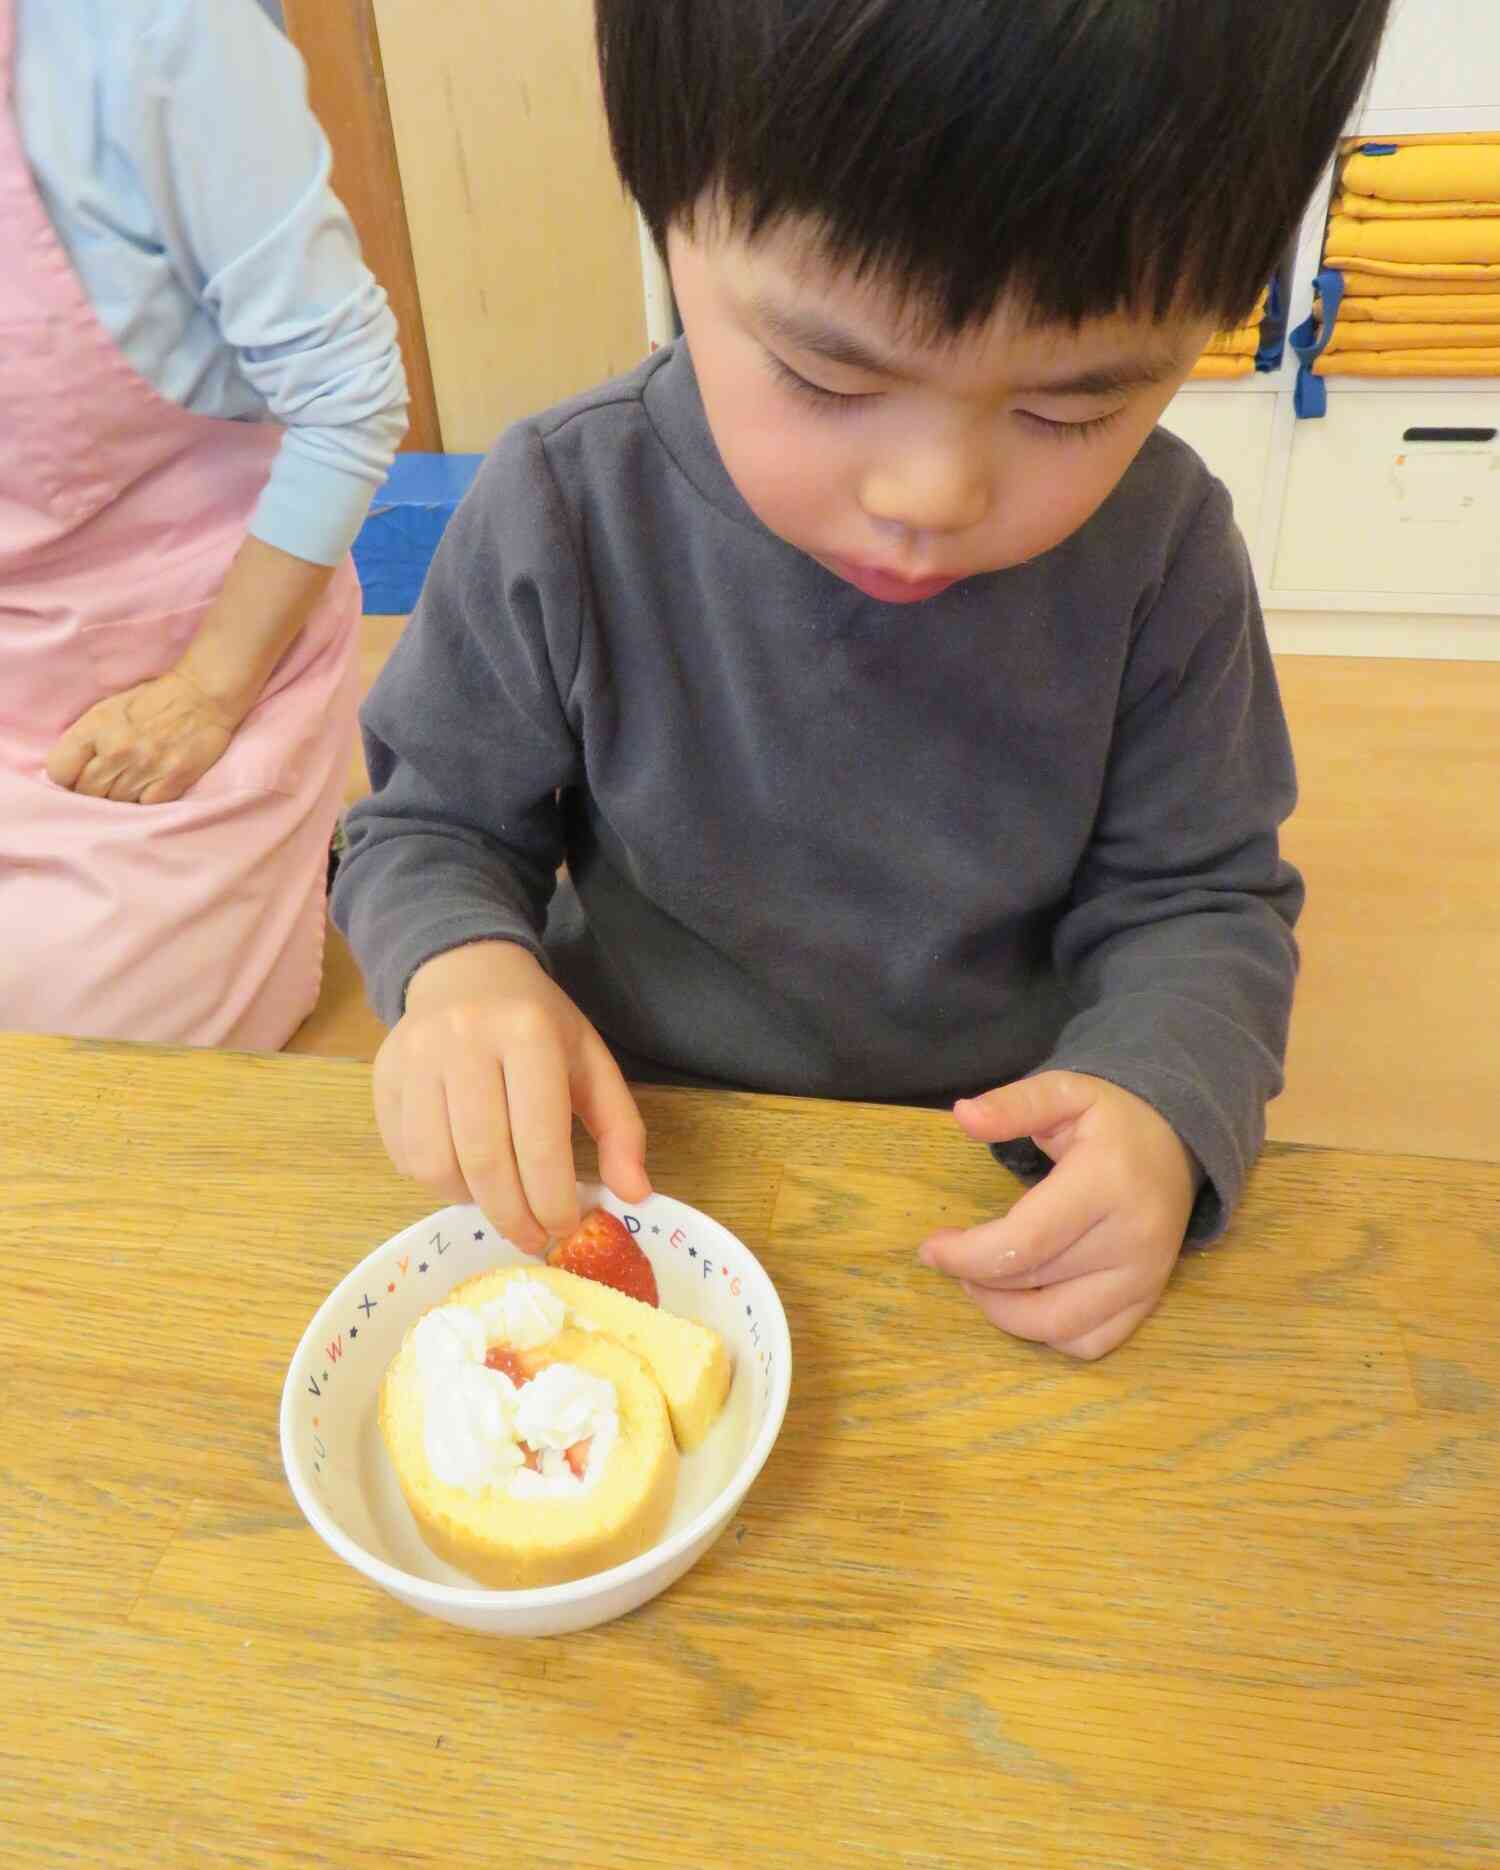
(340, 44)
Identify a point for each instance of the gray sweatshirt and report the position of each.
(822, 845)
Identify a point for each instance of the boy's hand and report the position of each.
(1084, 1256)
(476, 1085)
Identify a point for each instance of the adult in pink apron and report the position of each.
(198, 921)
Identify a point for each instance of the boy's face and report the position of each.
(903, 465)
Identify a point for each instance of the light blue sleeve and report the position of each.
(236, 169)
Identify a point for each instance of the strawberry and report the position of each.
(600, 1248)
(577, 1457)
(508, 1362)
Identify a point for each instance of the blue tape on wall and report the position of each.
(406, 521)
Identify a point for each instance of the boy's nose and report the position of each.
(924, 495)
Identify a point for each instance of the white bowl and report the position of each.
(336, 1460)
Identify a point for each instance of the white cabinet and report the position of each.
(1397, 495)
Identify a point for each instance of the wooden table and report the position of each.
(1231, 1597)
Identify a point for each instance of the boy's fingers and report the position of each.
(426, 1145)
(1017, 1250)
(479, 1124)
(1083, 1255)
(388, 1119)
(1071, 1313)
(1029, 1107)
(610, 1115)
(1108, 1336)
(541, 1129)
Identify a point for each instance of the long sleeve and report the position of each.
(468, 738)
(175, 151)
(1176, 945)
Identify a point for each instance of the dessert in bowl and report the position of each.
(617, 1441)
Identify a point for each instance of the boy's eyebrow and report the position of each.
(1118, 377)
(811, 331)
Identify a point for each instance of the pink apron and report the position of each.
(200, 922)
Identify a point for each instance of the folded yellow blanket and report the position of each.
(1353, 336)
(1211, 364)
(1421, 308)
(1242, 341)
(1404, 283)
(1236, 347)
(1373, 245)
(1484, 363)
(1427, 172)
(1373, 208)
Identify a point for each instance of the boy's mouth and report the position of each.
(887, 587)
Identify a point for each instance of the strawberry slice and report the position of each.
(601, 1249)
(507, 1361)
(577, 1457)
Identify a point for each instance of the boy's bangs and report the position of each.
(1078, 157)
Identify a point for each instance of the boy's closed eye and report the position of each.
(836, 402)
(1057, 428)
(829, 400)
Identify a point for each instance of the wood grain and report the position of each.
(526, 247)
(346, 87)
(1230, 1598)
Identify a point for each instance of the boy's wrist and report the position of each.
(486, 966)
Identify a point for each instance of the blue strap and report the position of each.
(1311, 396)
(1273, 340)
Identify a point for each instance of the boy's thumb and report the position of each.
(1032, 1107)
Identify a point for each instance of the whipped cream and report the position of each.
(447, 1337)
(526, 1314)
(560, 1406)
(468, 1426)
(474, 1418)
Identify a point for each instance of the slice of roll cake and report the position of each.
(530, 1452)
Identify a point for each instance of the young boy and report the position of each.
(894, 692)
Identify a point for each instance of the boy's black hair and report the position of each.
(1084, 156)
